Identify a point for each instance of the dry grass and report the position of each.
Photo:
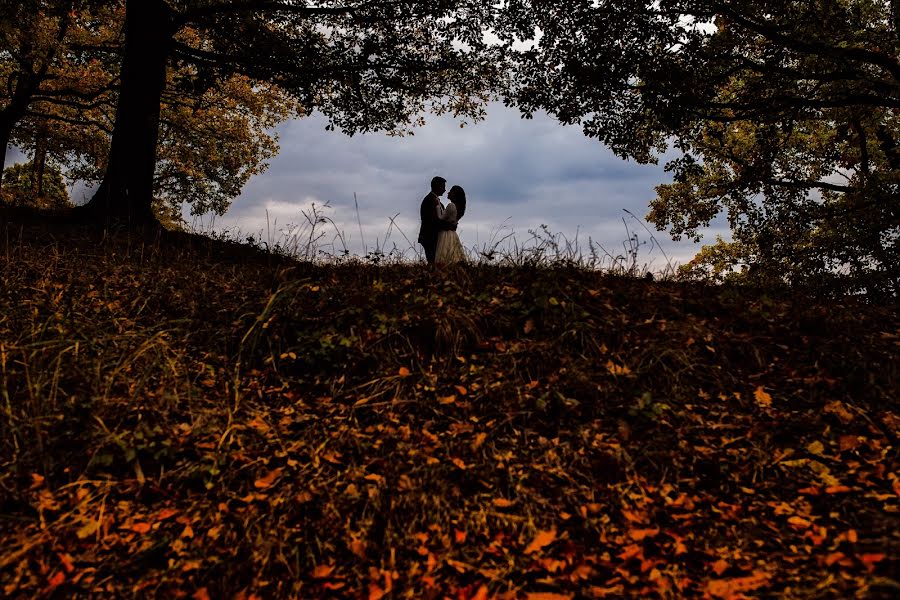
(180, 416)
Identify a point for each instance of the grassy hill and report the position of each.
(188, 418)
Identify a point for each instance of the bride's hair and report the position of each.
(458, 196)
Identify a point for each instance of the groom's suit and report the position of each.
(432, 224)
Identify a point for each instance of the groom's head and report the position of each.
(438, 186)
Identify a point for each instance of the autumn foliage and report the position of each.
(184, 418)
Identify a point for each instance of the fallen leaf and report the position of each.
(403, 372)
(89, 528)
(720, 566)
(57, 580)
(547, 596)
(140, 528)
(503, 502)
(617, 369)
(268, 479)
(201, 594)
(543, 538)
(762, 398)
(640, 534)
(447, 399)
(816, 448)
(322, 571)
(730, 588)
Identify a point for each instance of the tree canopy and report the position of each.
(61, 96)
(784, 116)
(367, 65)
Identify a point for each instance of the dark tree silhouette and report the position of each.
(367, 65)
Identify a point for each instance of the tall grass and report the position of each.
(316, 237)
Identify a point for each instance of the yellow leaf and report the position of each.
(762, 398)
(816, 448)
(543, 538)
(88, 529)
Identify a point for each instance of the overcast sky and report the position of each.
(518, 174)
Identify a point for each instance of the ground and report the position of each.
(188, 418)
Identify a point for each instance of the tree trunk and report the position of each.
(11, 115)
(126, 193)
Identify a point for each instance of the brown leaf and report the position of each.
(547, 596)
(543, 538)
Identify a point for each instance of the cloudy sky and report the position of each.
(518, 175)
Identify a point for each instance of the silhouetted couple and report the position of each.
(438, 233)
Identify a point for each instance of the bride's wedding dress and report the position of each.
(449, 248)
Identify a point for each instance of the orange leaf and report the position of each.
(268, 479)
(57, 580)
(462, 391)
(547, 596)
(640, 534)
(459, 463)
(322, 571)
(728, 588)
(719, 567)
(543, 538)
(617, 369)
(481, 594)
(447, 399)
(871, 559)
(201, 594)
(799, 522)
(141, 528)
(166, 513)
(762, 398)
(837, 489)
(403, 372)
(503, 502)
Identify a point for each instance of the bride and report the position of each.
(449, 248)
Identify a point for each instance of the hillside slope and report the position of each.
(186, 418)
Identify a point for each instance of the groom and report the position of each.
(432, 224)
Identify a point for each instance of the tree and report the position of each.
(35, 185)
(785, 115)
(367, 65)
(215, 132)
